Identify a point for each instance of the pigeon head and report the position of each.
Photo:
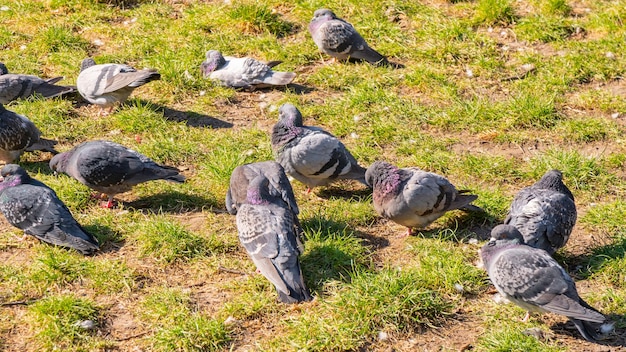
(382, 174)
(3, 69)
(214, 60)
(88, 62)
(58, 163)
(506, 233)
(258, 190)
(323, 15)
(13, 175)
(553, 180)
(288, 125)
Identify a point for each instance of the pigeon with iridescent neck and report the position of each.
(532, 279)
(267, 230)
(338, 38)
(15, 86)
(18, 134)
(544, 213)
(412, 197)
(310, 154)
(33, 207)
(243, 72)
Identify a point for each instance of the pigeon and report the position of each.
(339, 39)
(266, 229)
(243, 72)
(310, 154)
(544, 213)
(279, 185)
(19, 134)
(412, 197)
(16, 86)
(532, 279)
(111, 168)
(108, 84)
(33, 207)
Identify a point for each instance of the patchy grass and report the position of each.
(172, 276)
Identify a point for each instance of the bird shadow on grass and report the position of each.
(335, 251)
(171, 202)
(469, 225)
(362, 194)
(109, 240)
(191, 118)
(586, 264)
(38, 167)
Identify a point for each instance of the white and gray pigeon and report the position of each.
(18, 134)
(412, 197)
(15, 86)
(338, 38)
(544, 213)
(242, 175)
(532, 279)
(109, 84)
(310, 154)
(33, 207)
(267, 230)
(111, 168)
(243, 72)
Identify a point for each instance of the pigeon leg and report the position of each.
(308, 190)
(109, 204)
(408, 233)
(526, 317)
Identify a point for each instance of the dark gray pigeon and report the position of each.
(544, 213)
(279, 185)
(266, 228)
(412, 197)
(17, 86)
(109, 84)
(111, 168)
(243, 72)
(532, 279)
(310, 154)
(33, 207)
(19, 134)
(339, 39)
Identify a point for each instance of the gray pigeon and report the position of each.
(532, 279)
(310, 154)
(16, 86)
(339, 39)
(19, 134)
(108, 84)
(544, 213)
(33, 207)
(243, 72)
(266, 228)
(412, 197)
(279, 185)
(111, 168)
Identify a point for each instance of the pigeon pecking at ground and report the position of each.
(544, 213)
(111, 168)
(242, 175)
(19, 134)
(412, 197)
(339, 39)
(243, 72)
(310, 154)
(109, 84)
(532, 279)
(33, 207)
(267, 230)
(17, 86)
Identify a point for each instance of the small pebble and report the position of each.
(353, 135)
(23, 47)
(473, 241)
(490, 30)
(383, 336)
(230, 321)
(85, 324)
(469, 73)
(97, 42)
(610, 55)
(356, 118)
(615, 115)
(4, 8)
(202, 93)
(273, 108)
(263, 105)
(459, 288)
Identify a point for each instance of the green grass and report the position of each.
(172, 272)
